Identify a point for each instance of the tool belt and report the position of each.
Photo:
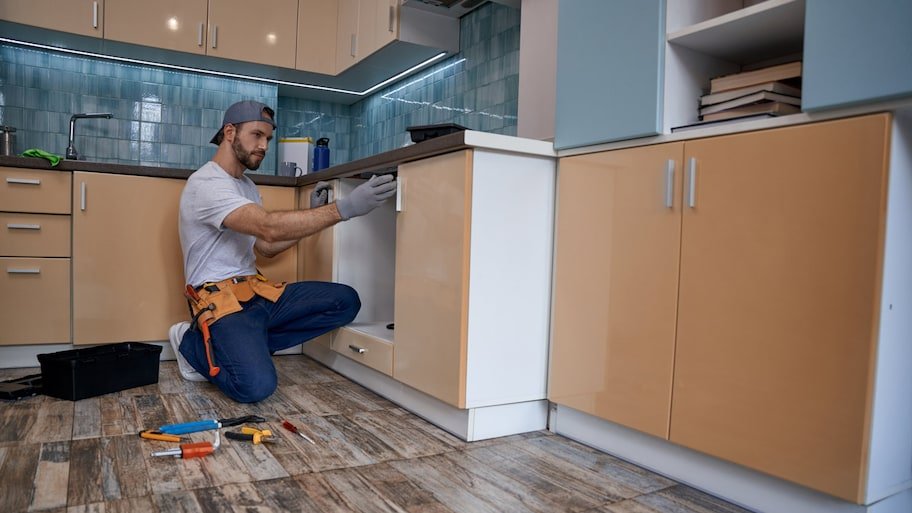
(227, 296)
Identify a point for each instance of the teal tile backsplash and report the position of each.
(165, 118)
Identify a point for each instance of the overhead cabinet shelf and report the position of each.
(767, 30)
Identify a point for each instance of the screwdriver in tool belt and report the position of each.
(294, 429)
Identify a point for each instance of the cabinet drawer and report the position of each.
(34, 235)
(34, 190)
(354, 342)
(35, 301)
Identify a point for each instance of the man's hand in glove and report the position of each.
(320, 194)
(367, 196)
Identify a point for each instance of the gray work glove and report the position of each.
(320, 194)
(367, 196)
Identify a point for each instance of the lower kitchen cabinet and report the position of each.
(770, 353)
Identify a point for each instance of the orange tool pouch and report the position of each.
(227, 295)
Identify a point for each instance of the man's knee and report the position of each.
(253, 389)
(349, 301)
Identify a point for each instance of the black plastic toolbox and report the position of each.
(92, 371)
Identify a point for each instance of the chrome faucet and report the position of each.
(71, 153)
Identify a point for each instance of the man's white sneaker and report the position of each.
(175, 335)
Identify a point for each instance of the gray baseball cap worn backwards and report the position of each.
(241, 112)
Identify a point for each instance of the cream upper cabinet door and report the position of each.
(386, 23)
(432, 260)
(171, 24)
(128, 274)
(317, 25)
(780, 288)
(85, 17)
(618, 235)
(263, 33)
(347, 35)
(284, 266)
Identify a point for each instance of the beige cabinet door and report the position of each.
(171, 24)
(617, 236)
(264, 33)
(128, 273)
(432, 262)
(386, 23)
(780, 272)
(317, 25)
(315, 262)
(347, 35)
(85, 17)
(284, 266)
(35, 301)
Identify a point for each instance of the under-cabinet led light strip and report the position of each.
(226, 74)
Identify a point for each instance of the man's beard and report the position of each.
(245, 157)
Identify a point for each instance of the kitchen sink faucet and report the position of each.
(71, 153)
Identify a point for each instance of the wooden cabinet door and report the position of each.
(347, 35)
(128, 273)
(386, 23)
(315, 260)
(318, 22)
(284, 266)
(263, 33)
(432, 261)
(85, 17)
(780, 272)
(171, 24)
(618, 233)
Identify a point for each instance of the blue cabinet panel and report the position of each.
(610, 58)
(856, 52)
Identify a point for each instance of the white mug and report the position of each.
(290, 169)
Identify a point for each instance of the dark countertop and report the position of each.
(385, 162)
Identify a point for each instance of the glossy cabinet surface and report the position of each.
(84, 17)
(171, 24)
(617, 248)
(318, 22)
(270, 39)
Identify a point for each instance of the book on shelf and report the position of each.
(773, 87)
(790, 70)
(773, 108)
(720, 122)
(762, 96)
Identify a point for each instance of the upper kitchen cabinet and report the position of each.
(364, 27)
(856, 52)
(317, 27)
(609, 70)
(83, 17)
(218, 28)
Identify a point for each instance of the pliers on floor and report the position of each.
(249, 434)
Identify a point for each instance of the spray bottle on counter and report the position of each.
(321, 154)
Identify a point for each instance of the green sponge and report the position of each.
(35, 152)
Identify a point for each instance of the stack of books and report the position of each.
(772, 91)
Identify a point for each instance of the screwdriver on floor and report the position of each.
(294, 429)
(192, 450)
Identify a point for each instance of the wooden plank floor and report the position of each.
(370, 456)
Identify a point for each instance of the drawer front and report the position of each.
(365, 349)
(35, 190)
(34, 235)
(35, 301)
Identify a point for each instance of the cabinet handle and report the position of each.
(354, 44)
(19, 226)
(214, 35)
(359, 350)
(82, 196)
(24, 181)
(199, 35)
(692, 186)
(392, 17)
(94, 14)
(669, 183)
(35, 270)
(400, 194)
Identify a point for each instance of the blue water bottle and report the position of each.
(321, 154)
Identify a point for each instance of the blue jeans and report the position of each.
(243, 342)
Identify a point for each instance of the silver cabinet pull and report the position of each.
(392, 17)
(214, 35)
(20, 226)
(199, 35)
(669, 183)
(400, 194)
(82, 196)
(35, 270)
(354, 44)
(24, 181)
(692, 186)
(94, 14)
(359, 350)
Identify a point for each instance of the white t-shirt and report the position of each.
(213, 252)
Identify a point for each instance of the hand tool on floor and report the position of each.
(207, 424)
(154, 434)
(192, 450)
(294, 429)
(249, 434)
(191, 294)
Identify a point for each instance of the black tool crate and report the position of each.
(81, 373)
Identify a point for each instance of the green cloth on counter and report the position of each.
(35, 152)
